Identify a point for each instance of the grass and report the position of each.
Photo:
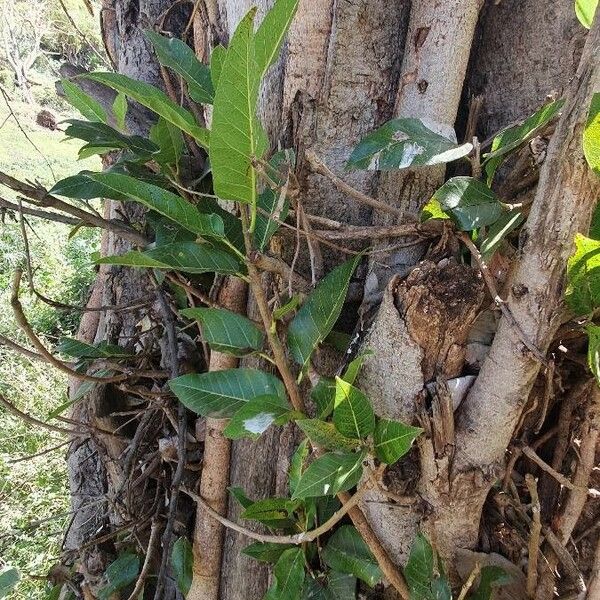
(34, 492)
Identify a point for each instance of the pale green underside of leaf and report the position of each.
(591, 135)
(156, 100)
(585, 11)
(220, 394)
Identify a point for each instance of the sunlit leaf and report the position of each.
(469, 202)
(325, 435)
(257, 415)
(591, 135)
(353, 414)
(273, 512)
(318, 315)
(403, 143)
(329, 474)
(585, 11)
(508, 222)
(89, 107)
(347, 552)
(226, 331)
(178, 56)
(583, 276)
(156, 100)
(393, 440)
(424, 582)
(220, 394)
(289, 576)
(119, 109)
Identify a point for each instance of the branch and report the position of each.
(42, 214)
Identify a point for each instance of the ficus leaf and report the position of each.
(170, 141)
(9, 577)
(424, 581)
(220, 394)
(393, 440)
(403, 143)
(591, 135)
(119, 109)
(508, 222)
(585, 11)
(182, 561)
(583, 276)
(266, 551)
(226, 331)
(353, 414)
(89, 107)
(119, 574)
(318, 315)
(289, 576)
(156, 100)
(178, 56)
(324, 434)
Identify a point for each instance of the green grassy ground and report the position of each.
(33, 492)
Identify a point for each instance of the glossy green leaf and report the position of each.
(490, 579)
(329, 474)
(220, 394)
(353, 414)
(226, 331)
(156, 100)
(323, 395)
(593, 354)
(271, 32)
(318, 315)
(235, 130)
(289, 576)
(512, 138)
(291, 305)
(117, 186)
(182, 561)
(583, 276)
(424, 582)
(103, 138)
(591, 135)
(508, 222)
(433, 210)
(393, 440)
(187, 257)
(89, 107)
(341, 586)
(276, 513)
(257, 415)
(297, 463)
(179, 57)
(324, 434)
(403, 143)
(266, 551)
(119, 109)
(354, 367)
(79, 349)
(347, 552)
(469, 202)
(217, 58)
(119, 574)
(167, 231)
(585, 11)
(9, 577)
(170, 141)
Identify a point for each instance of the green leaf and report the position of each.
(179, 57)
(78, 349)
(469, 202)
(341, 586)
(119, 109)
(167, 231)
(289, 576)
(318, 315)
(433, 210)
(226, 331)
(508, 222)
(325, 434)
(266, 551)
(329, 474)
(220, 394)
(347, 552)
(353, 414)
(123, 187)
(323, 395)
(240, 496)
(354, 367)
(393, 440)
(297, 464)
(103, 138)
(217, 58)
(156, 100)
(277, 513)
(271, 32)
(182, 561)
(9, 577)
(170, 141)
(291, 305)
(511, 138)
(257, 415)
(585, 11)
(403, 143)
(89, 107)
(119, 574)
(275, 204)
(591, 135)
(186, 257)
(593, 354)
(490, 579)
(235, 129)
(85, 387)
(423, 581)
(583, 276)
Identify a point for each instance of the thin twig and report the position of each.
(150, 552)
(534, 537)
(470, 581)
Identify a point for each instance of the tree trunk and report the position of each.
(346, 68)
